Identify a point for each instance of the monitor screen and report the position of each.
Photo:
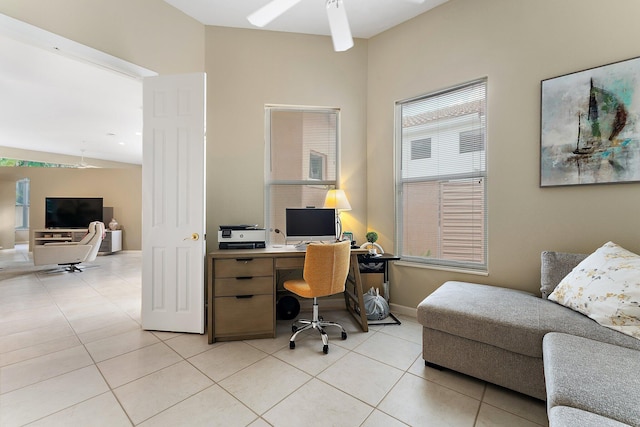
(72, 212)
(310, 224)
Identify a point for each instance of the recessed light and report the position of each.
(121, 142)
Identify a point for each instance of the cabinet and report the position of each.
(40, 237)
(243, 298)
(111, 243)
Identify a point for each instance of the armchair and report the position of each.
(70, 254)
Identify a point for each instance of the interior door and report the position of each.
(173, 206)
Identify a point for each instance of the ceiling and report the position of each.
(366, 17)
(65, 98)
(62, 97)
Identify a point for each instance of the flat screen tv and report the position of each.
(310, 224)
(72, 212)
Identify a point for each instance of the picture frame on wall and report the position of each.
(590, 126)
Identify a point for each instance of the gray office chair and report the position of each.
(326, 267)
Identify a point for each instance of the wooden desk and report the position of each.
(241, 291)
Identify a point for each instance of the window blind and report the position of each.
(441, 203)
(301, 160)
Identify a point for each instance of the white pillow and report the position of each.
(605, 287)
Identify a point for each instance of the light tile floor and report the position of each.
(72, 353)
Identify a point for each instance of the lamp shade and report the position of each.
(336, 199)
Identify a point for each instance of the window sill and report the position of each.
(441, 268)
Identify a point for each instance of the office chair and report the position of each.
(326, 267)
(70, 254)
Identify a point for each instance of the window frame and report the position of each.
(316, 184)
(427, 260)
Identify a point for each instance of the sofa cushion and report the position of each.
(592, 376)
(554, 267)
(563, 416)
(510, 319)
(606, 287)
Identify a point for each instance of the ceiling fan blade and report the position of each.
(339, 25)
(270, 11)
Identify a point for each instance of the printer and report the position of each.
(241, 237)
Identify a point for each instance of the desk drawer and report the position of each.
(292, 263)
(230, 287)
(244, 316)
(243, 267)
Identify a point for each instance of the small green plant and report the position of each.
(371, 236)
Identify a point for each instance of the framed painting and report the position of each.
(590, 126)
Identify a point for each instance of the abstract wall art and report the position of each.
(590, 126)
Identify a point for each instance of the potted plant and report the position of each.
(374, 248)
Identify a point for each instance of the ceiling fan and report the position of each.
(83, 164)
(336, 13)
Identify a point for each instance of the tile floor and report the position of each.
(72, 353)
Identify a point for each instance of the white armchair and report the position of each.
(70, 254)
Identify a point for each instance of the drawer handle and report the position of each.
(245, 260)
(244, 278)
(244, 296)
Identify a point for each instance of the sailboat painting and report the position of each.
(590, 126)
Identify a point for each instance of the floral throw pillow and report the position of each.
(605, 287)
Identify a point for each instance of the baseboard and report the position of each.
(403, 310)
(332, 303)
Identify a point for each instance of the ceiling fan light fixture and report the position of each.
(270, 11)
(339, 24)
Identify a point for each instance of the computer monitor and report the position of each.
(310, 224)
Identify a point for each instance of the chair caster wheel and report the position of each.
(292, 345)
(294, 328)
(344, 336)
(325, 349)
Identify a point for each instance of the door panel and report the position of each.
(173, 181)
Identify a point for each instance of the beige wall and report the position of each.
(247, 69)
(7, 213)
(120, 189)
(149, 33)
(516, 44)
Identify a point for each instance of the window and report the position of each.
(316, 165)
(441, 203)
(22, 204)
(471, 140)
(421, 149)
(301, 160)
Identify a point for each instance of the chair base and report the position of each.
(317, 323)
(70, 268)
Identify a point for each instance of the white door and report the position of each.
(173, 205)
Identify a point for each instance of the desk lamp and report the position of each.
(337, 199)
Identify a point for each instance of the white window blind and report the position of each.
(301, 160)
(441, 203)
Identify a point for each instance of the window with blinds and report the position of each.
(441, 203)
(301, 159)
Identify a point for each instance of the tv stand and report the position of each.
(111, 243)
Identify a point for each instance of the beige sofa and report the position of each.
(496, 334)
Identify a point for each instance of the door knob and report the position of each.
(194, 236)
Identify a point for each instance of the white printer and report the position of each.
(241, 237)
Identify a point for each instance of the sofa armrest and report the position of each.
(555, 266)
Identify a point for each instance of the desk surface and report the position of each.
(270, 251)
